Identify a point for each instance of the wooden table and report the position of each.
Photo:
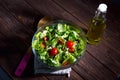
(18, 22)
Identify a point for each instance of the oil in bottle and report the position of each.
(97, 25)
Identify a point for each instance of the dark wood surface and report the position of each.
(18, 22)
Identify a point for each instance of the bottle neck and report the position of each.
(100, 15)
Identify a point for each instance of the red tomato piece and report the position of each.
(53, 52)
(60, 41)
(45, 38)
(69, 44)
(71, 50)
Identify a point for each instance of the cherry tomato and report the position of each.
(69, 44)
(71, 50)
(45, 38)
(53, 51)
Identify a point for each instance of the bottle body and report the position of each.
(95, 31)
(97, 25)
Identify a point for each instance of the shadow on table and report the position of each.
(118, 78)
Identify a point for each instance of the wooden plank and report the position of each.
(21, 10)
(10, 29)
(24, 13)
(32, 78)
(91, 69)
(15, 40)
(81, 71)
(106, 55)
(112, 42)
(75, 76)
(113, 28)
(56, 77)
(83, 10)
(112, 37)
(48, 8)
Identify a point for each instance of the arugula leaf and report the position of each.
(37, 36)
(68, 57)
(35, 44)
(54, 42)
(52, 62)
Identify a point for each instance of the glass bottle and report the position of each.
(97, 25)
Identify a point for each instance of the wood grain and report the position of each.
(11, 33)
(75, 76)
(23, 12)
(88, 67)
(18, 20)
(107, 56)
(48, 8)
(83, 10)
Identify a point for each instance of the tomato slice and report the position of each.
(69, 44)
(71, 50)
(45, 38)
(53, 52)
(43, 44)
(65, 63)
(60, 41)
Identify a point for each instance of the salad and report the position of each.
(59, 44)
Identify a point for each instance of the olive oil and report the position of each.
(97, 25)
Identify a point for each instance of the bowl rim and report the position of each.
(55, 22)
